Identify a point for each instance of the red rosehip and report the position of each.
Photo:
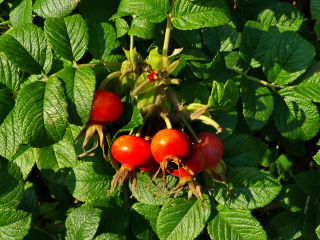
(151, 166)
(169, 144)
(131, 151)
(106, 107)
(211, 147)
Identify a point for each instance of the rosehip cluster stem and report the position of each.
(166, 41)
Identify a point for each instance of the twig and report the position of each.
(131, 49)
(166, 120)
(140, 87)
(45, 76)
(257, 80)
(4, 23)
(211, 122)
(110, 64)
(175, 101)
(166, 42)
(109, 78)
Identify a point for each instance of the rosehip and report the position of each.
(131, 152)
(169, 144)
(212, 148)
(106, 107)
(151, 166)
(193, 164)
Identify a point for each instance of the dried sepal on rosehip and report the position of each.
(106, 108)
(132, 152)
(192, 165)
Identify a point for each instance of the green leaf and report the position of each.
(60, 156)
(110, 236)
(284, 167)
(36, 233)
(148, 193)
(122, 27)
(250, 188)
(311, 221)
(308, 182)
(10, 135)
(315, 9)
(52, 8)
(68, 36)
(183, 220)
(149, 212)
(189, 40)
(115, 217)
(144, 219)
(11, 189)
(251, 36)
(318, 231)
(227, 120)
(136, 121)
(21, 13)
(42, 111)
(235, 224)
(83, 91)
(155, 59)
(14, 224)
(287, 225)
(312, 75)
(292, 198)
(102, 39)
(317, 157)
(82, 223)
(154, 11)
(257, 102)
(243, 150)
(9, 74)
(98, 10)
(25, 158)
(194, 91)
(309, 91)
(188, 15)
(90, 180)
(282, 15)
(223, 96)
(67, 76)
(285, 56)
(199, 69)
(142, 28)
(6, 102)
(32, 58)
(296, 149)
(30, 201)
(296, 118)
(316, 29)
(220, 39)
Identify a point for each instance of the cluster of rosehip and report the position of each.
(170, 151)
